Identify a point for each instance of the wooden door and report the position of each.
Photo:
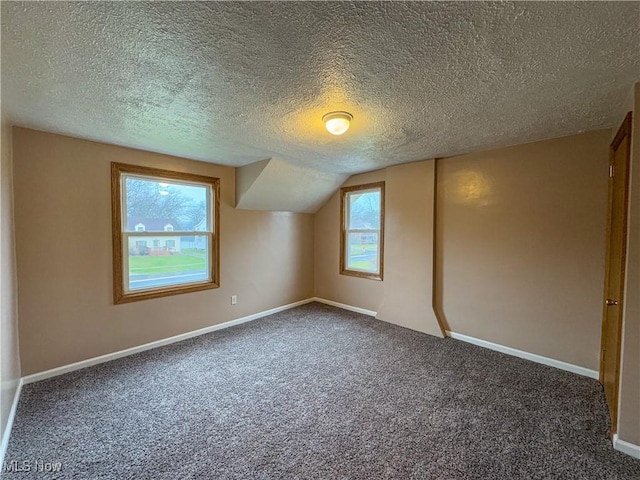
(619, 154)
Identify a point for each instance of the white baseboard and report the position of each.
(626, 447)
(526, 355)
(7, 429)
(344, 306)
(54, 372)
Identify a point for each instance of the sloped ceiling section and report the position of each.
(277, 185)
(238, 82)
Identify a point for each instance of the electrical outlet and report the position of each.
(234, 299)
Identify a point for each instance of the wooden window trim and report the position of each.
(120, 295)
(344, 191)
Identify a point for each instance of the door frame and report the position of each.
(623, 134)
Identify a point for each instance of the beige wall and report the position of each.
(404, 296)
(629, 412)
(63, 238)
(329, 284)
(9, 356)
(521, 236)
(521, 239)
(408, 256)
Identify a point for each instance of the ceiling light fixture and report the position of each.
(337, 122)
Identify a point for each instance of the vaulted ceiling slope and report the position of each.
(235, 83)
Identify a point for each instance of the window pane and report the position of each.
(163, 261)
(163, 206)
(362, 251)
(364, 210)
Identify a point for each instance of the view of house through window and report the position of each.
(362, 230)
(167, 232)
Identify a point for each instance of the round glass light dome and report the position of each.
(337, 122)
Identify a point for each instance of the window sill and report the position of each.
(355, 273)
(121, 297)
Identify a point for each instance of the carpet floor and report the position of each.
(316, 393)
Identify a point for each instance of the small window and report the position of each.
(362, 230)
(156, 251)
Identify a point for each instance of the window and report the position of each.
(165, 232)
(362, 230)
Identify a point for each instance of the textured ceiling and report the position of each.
(234, 83)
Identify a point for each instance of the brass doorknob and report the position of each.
(611, 303)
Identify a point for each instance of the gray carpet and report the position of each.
(317, 393)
